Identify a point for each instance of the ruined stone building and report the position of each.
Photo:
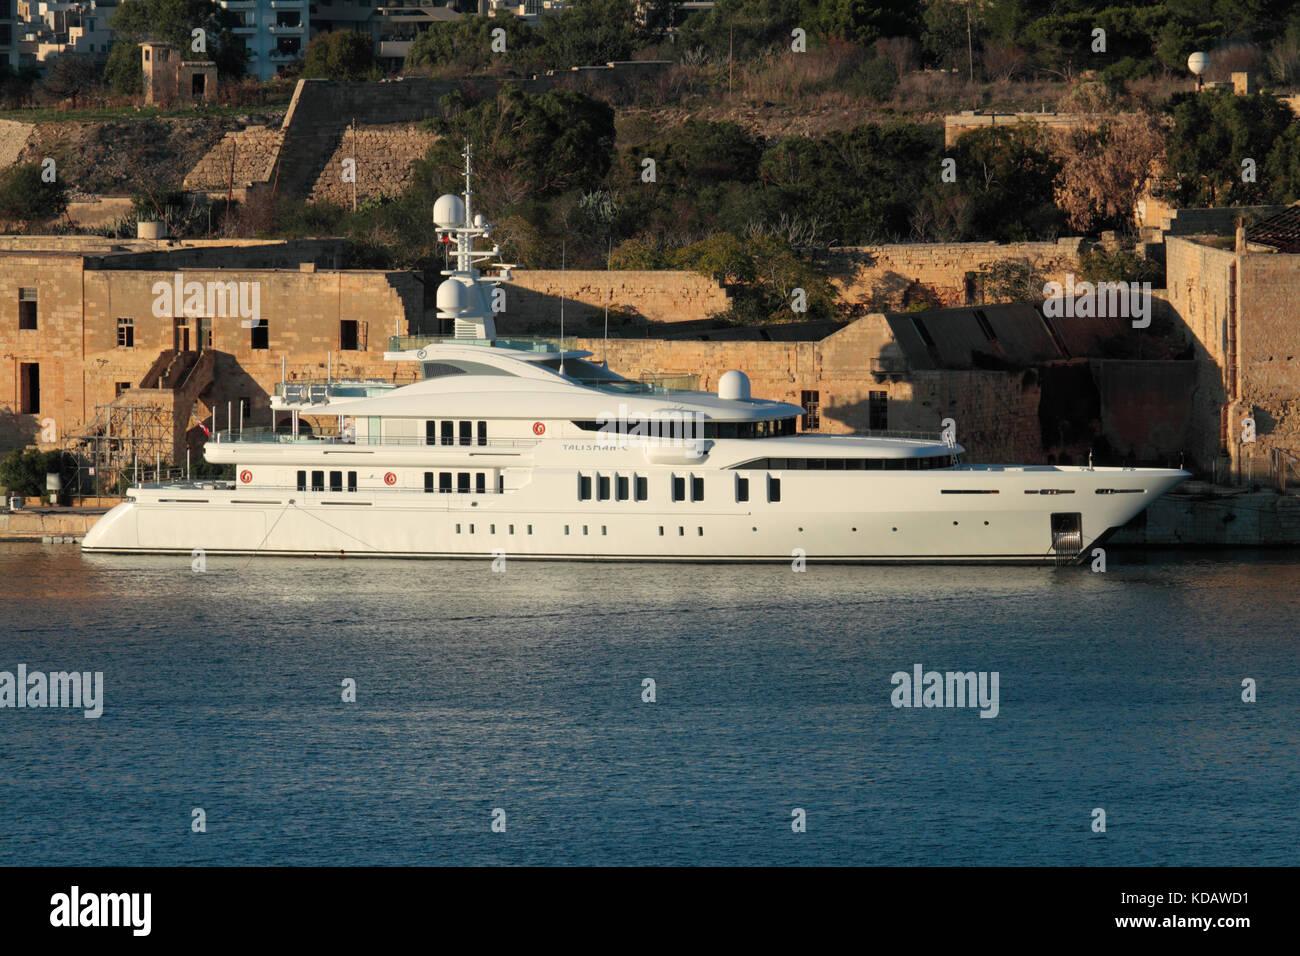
(98, 337)
(1238, 302)
(169, 79)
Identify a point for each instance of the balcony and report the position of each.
(288, 4)
(283, 55)
(394, 48)
(285, 30)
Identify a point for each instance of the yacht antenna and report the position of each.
(561, 307)
(609, 292)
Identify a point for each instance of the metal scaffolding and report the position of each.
(123, 437)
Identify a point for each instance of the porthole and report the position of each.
(893, 529)
(986, 524)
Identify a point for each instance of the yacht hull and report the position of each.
(966, 515)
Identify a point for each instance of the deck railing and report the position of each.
(282, 436)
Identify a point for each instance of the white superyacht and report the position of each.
(526, 449)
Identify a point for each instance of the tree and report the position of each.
(23, 472)
(1004, 189)
(71, 76)
(25, 196)
(1217, 138)
(599, 31)
(1104, 171)
(341, 55)
(526, 146)
(465, 45)
(865, 21)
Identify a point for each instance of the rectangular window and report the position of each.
(374, 429)
(120, 387)
(482, 433)
(302, 481)
(530, 529)
(480, 483)
(205, 334)
(679, 488)
(697, 489)
(126, 333)
(462, 482)
(260, 335)
(878, 411)
(336, 481)
(584, 487)
(811, 402)
(352, 481)
(602, 487)
(449, 433)
(347, 335)
(642, 488)
(773, 488)
(444, 482)
(29, 375)
(466, 432)
(431, 433)
(27, 308)
(501, 484)
(318, 481)
(428, 483)
(742, 489)
(620, 488)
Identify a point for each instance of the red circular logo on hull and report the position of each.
(245, 476)
(390, 479)
(539, 428)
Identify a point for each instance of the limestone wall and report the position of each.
(382, 158)
(252, 150)
(635, 298)
(888, 277)
(13, 138)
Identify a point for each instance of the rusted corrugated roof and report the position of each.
(1281, 232)
(996, 336)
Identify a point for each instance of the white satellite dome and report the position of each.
(452, 296)
(479, 221)
(734, 386)
(1198, 62)
(448, 211)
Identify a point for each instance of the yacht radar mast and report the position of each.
(466, 296)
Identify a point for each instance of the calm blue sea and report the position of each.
(523, 691)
